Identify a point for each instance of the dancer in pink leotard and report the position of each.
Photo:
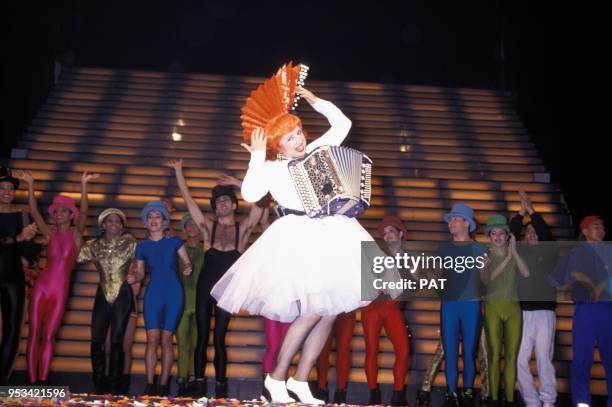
(50, 292)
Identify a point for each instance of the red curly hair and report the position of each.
(275, 130)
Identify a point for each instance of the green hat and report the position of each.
(186, 218)
(496, 221)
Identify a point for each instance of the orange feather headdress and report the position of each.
(269, 105)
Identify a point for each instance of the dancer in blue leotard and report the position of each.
(163, 302)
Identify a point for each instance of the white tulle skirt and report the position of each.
(298, 266)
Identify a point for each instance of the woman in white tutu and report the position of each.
(301, 270)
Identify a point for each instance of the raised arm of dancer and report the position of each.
(248, 223)
(44, 229)
(255, 184)
(340, 124)
(204, 222)
(84, 206)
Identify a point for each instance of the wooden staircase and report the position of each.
(461, 145)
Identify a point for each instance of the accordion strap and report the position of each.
(282, 211)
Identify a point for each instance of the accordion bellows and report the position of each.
(273, 97)
(333, 180)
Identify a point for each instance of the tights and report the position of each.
(275, 333)
(12, 290)
(385, 313)
(48, 302)
(503, 323)
(216, 263)
(343, 331)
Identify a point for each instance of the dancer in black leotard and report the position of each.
(227, 240)
(15, 232)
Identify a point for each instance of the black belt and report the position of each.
(281, 211)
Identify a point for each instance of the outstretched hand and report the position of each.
(87, 176)
(176, 164)
(25, 176)
(226, 179)
(258, 141)
(307, 95)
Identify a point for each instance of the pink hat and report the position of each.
(63, 201)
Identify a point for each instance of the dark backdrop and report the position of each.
(533, 50)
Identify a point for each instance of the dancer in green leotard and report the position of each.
(502, 309)
(187, 333)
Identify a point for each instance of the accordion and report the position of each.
(333, 180)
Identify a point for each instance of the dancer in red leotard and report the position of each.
(50, 292)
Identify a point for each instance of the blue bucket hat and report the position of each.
(154, 206)
(463, 211)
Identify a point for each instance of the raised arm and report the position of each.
(26, 176)
(255, 183)
(84, 206)
(340, 124)
(248, 223)
(198, 217)
(487, 276)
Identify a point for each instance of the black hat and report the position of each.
(220, 190)
(6, 176)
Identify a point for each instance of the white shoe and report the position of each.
(302, 391)
(548, 405)
(275, 391)
(583, 405)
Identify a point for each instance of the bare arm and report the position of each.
(26, 176)
(187, 268)
(248, 224)
(138, 273)
(84, 206)
(198, 217)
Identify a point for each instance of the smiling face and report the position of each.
(392, 234)
(498, 237)
(155, 221)
(7, 192)
(112, 225)
(62, 216)
(293, 144)
(531, 236)
(595, 231)
(224, 206)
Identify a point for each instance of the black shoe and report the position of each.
(200, 388)
(163, 390)
(339, 396)
(423, 398)
(374, 397)
(399, 398)
(124, 388)
(319, 393)
(468, 397)
(182, 387)
(451, 399)
(221, 389)
(493, 403)
(150, 390)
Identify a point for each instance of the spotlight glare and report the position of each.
(177, 136)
